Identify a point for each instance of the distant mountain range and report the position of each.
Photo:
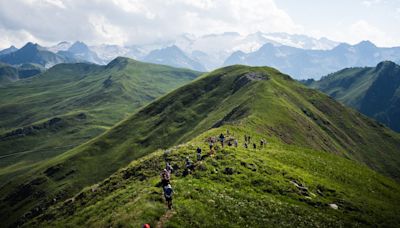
(298, 55)
(173, 56)
(34, 53)
(80, 52)
(374, 91)
(303, 63)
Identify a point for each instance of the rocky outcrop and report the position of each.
(31, 130)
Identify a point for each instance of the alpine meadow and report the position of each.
(199, 113)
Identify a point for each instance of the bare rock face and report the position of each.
(256, 76)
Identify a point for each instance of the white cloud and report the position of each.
(16, 38)
(363, 30)
(108, 32)
(134, 6)
(369, 3)
(45, 3)
(202, 4)
(139, 21)
(146, 21)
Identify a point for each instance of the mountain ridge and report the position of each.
(371, 90)
(172, 56)
(33, 53)
(261, 98)
(314, 63)
(69, 104)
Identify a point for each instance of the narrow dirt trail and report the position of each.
(167, 216)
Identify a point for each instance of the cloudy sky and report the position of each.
(128, 22)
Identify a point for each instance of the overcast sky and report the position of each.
(128, 22)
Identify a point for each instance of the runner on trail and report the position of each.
(210, 144)
(168, 192)
(222, 139)
(168, 167)
(165, 177)
(188, 164)
(198, 150)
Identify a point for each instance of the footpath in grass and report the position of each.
(276, 185)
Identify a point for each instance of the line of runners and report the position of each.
(228, 140)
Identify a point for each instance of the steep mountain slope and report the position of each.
(172, 56)
(8, 50)
(108, 52)
(374, 91)
(69, 104)
(81, 52)
(62, 46)
(9, 73)
(274, 186)
(33, 53)
(262, 99)
(302, 63)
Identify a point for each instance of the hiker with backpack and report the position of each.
(210, 144)
(254, 146)
(165, 177)
(168, 167)
(198, 150)
(168, 192)
(222, 139)
(189, 164)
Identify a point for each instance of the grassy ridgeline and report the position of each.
(259, 100)
(237, 187)
(72, 103)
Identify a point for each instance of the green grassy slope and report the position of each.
(10, 73)
(261, 98)
(43, 116)
(374, 91)
(237, 187)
